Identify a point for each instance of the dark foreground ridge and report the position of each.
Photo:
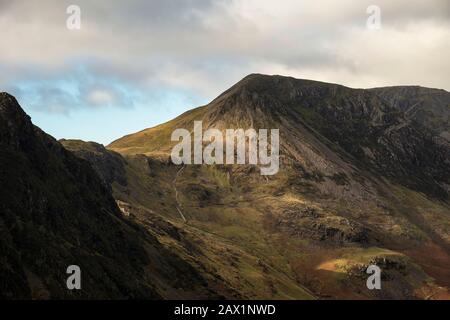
(56, 212)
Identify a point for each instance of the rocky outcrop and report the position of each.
(309, 223)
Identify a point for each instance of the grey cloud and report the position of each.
(80, 90)
(47, 99)
(200, 47)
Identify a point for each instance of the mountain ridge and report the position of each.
(361, 182)
(360, 122)
(350, 158)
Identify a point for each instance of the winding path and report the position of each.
(178, 204)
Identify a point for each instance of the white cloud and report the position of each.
(99, 97)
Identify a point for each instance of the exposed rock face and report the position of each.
(363, 123)
(110, 166)
(429, 107)
(307, 223)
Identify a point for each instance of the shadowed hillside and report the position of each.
(361, 181)
(55, 212)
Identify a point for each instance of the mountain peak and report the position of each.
(255, 78)
(15, 124)
(258, 82)
(282, 88)
(259, 101)
(9, 106)
(5, 94)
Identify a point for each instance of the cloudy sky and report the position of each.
(134, 64)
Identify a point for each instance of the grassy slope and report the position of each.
(154, 140)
